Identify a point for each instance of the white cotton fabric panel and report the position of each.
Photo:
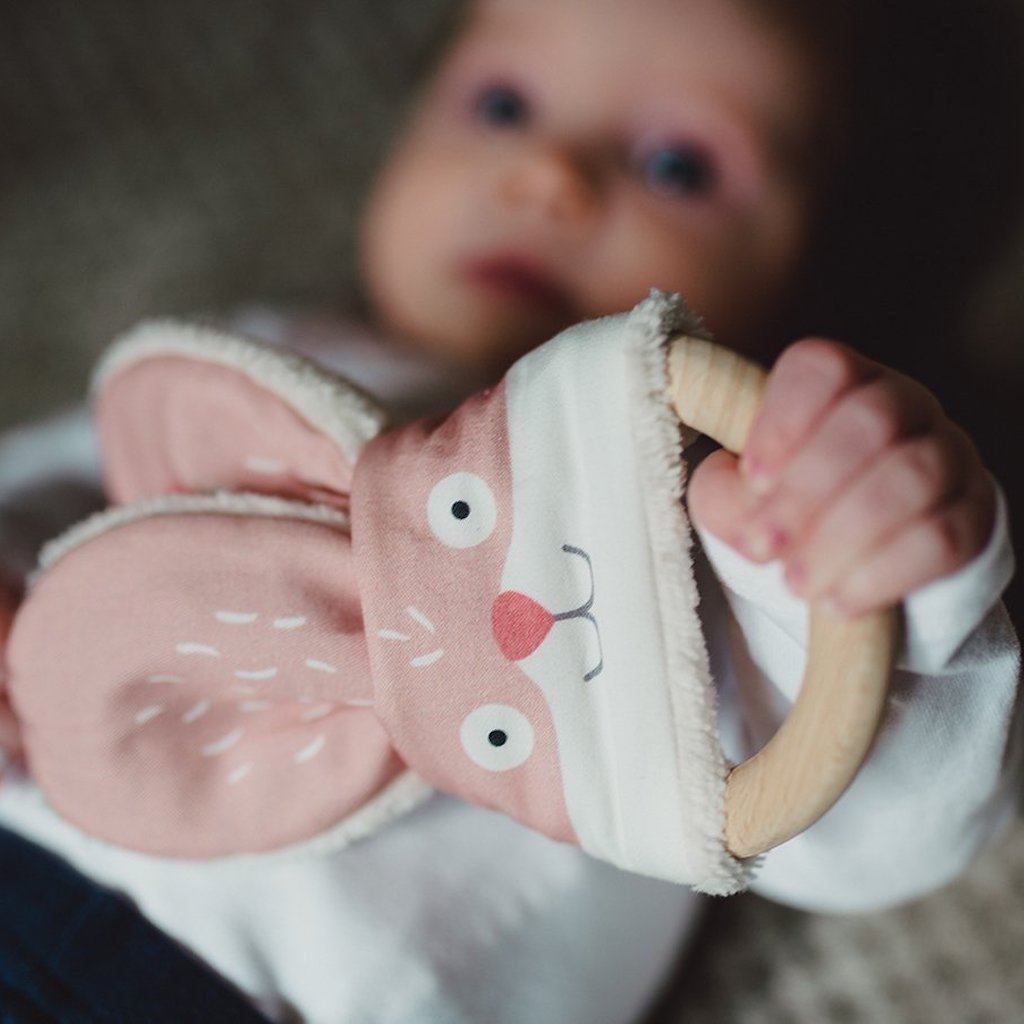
(596, 465)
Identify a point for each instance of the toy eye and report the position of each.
(678, 170)
(497, 737)
(461, 510)
(501, 106)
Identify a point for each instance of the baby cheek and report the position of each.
(414, 199)
(399, 235)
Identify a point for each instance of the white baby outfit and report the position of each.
(455, 914)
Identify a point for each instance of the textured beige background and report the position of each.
(178, 156)
(161, 157)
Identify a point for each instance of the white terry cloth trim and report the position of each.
(691, 688)
(596, 463)
(347, 415)
(233, 503)
(400, 796)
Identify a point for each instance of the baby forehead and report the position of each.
(731, 54)
(625, 20)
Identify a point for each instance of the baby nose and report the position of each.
(552, 181)
(519, 624)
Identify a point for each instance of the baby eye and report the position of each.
(461, 510)
(680, 171)
(501, 106)
(497, 737)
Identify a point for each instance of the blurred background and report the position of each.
(178, 157)
(175, 157)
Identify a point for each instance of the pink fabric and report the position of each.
(430, 557)
(199, 684)
(196, 685)
(173, 424)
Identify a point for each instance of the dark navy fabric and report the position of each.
(75, 953)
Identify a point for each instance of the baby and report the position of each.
(568, 156)
(570, 168)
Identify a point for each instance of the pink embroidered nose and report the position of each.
(519, 623)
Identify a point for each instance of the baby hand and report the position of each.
(854, 477)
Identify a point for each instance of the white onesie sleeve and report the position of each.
(940, 781)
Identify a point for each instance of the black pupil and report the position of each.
(680, 170)
(502, 106)
(460, 510)
(497, 737)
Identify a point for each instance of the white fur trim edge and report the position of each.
(235, 503)
(657, 320)
(328, 403)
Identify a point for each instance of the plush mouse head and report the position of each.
(299, 622)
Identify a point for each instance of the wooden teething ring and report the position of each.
(805, 767)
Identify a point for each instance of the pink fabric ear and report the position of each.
(186, 409)
(190, 670)
(196, 684)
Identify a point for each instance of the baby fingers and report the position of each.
(909, 481)
(917, 553)
(862, 427)
(921, 511)
(810, 379)
(854, 477)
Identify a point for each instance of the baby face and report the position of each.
(572, 154)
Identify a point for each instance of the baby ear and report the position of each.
(185, 407)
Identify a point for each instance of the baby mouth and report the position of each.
(520, 282)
